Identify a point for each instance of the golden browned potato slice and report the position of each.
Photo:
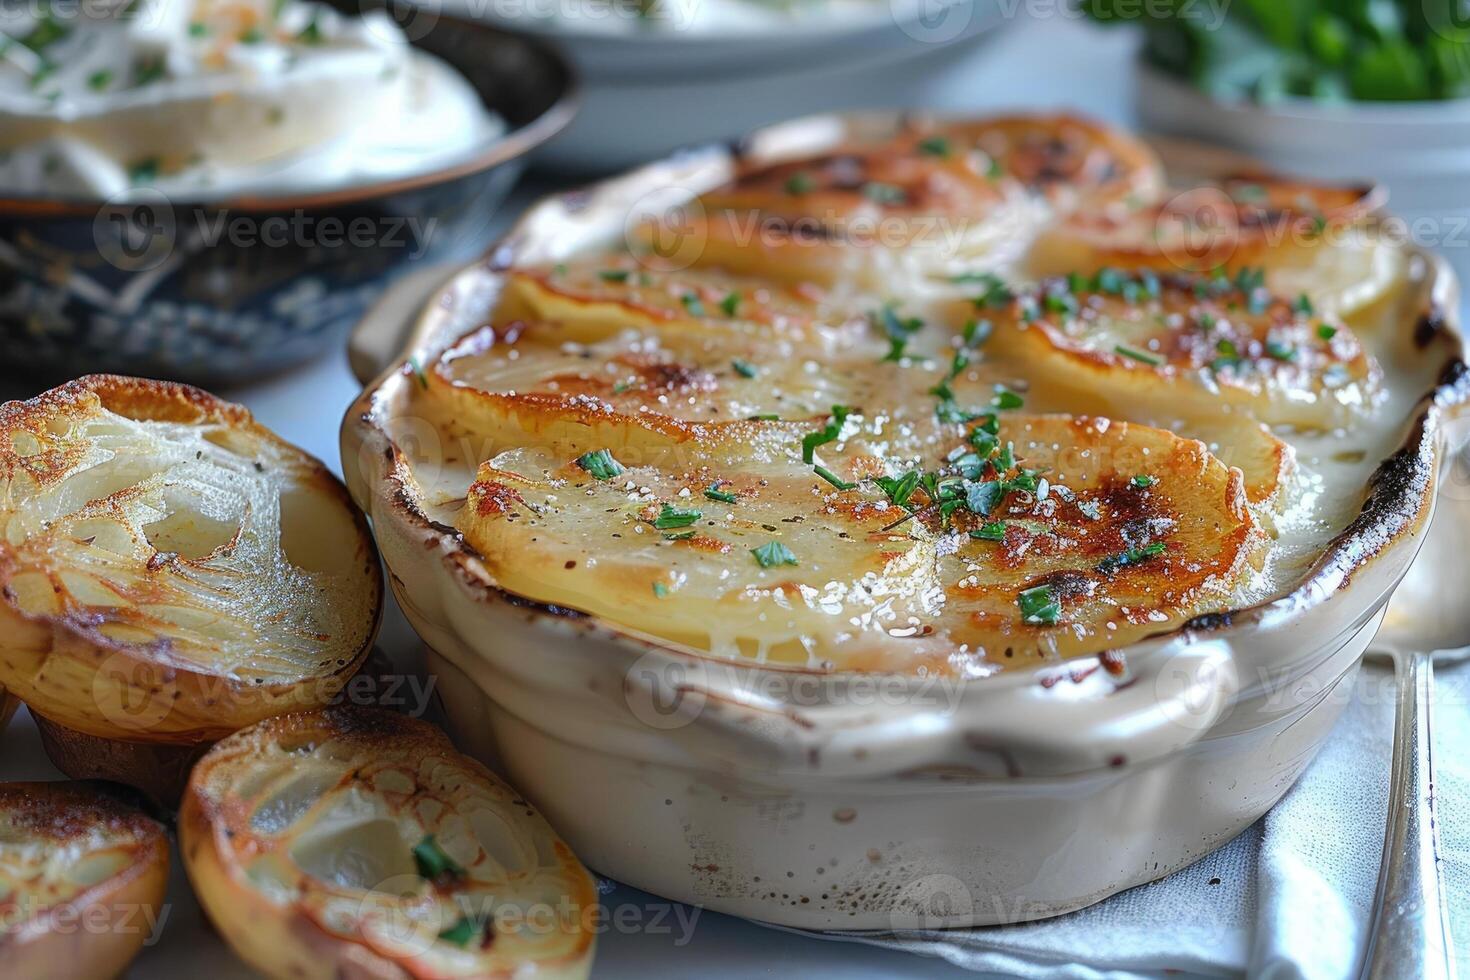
(858, 545)
(169, 569)
(82, 880)
(501, 383)
(1309, 239)
(1068, 159)
(926, 202)
(938, 198)
(596, 299)
(357, 842)
(1191, 344)
(656, 383)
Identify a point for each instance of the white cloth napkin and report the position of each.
(1290, 897)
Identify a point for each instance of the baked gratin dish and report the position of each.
(858, 516)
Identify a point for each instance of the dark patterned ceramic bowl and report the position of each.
(171, 289)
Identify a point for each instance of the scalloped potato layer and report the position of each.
(772, 454)
(737, 546)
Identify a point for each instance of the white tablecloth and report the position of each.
(1290, 897)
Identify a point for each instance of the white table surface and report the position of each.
(1043, 63)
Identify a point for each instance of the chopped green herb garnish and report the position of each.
(693, 304)
(99, 80)
(1133, 556)
(418, 372)
(613, 275)
(431, 860)
(144, 171)
(600, 464)
(730, 305)
(715, 493)
(826, 434)
(800, 183)
(1138, 355)
(253, 35)
(744, 368)
(763, 418)
(1143, 482)
(882, 193)
(833, 478)
(147, 71)
(1303, 305)
(1279, 350)
(1006, 399)
(934, 146)
(460, 933)
(982, 498)
(996, 294)
(976, 332)
(660, 589)
(678, 535)
(898, 330)
(1110, 281)
(312, 32)
(197, 29)
(898, 489)
(1326, 331)
(994, 531)
(1039, 606)
(670, 517)
(773, 554)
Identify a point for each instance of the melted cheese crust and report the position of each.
(770, 454)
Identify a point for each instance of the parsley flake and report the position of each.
(724, 496)
(826, 434)
(600, 464)
(772, 554)
(832, 478)
(432, 861)
(1039, 606)
(670, 517)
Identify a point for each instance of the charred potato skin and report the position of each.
(65, 669)
(50, 945)
(287, 942)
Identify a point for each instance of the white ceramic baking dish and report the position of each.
(866, 802)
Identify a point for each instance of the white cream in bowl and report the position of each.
(212, 98)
